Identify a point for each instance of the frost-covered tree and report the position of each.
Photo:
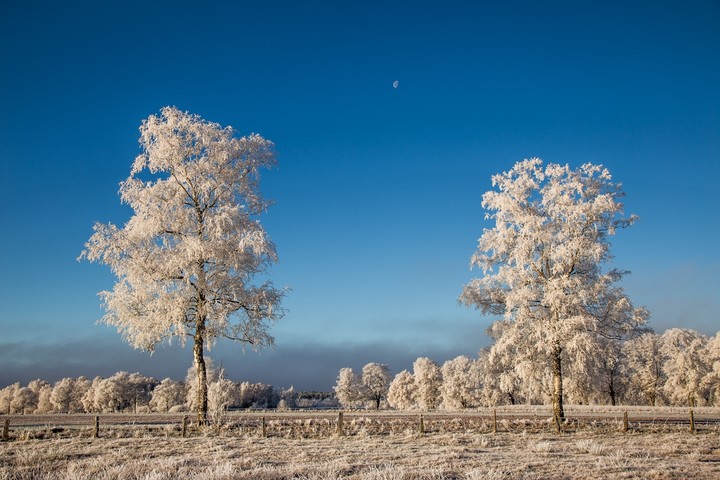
(256, 395)
(82, 384)
(24, 401)
(220, 395)
(514, 371)
(543, 260)
(401, 393)
(288, 399)
(186, 260)
(501, 384)
(645, 363)
(6, 398)
(609, 372)
(62, 395)
(120, 392)
(712, 379)
(461, 383)
(685, 365)
(192, 382)
(168, 394)
(376, 380)
(428, 380)
(42, 390)
(348, 388)
(112, 394)
(88, 400)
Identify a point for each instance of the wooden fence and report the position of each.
(323, 424)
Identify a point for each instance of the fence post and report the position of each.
(339, 431)
(692, 421)
(184, 426)
(421, 425)
(494, 421)
(625, 422)
(263, 428)
(6, 429)
(96, 429)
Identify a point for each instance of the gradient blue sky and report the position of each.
(378, 189)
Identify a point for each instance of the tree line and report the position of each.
(136, 393)
(680, 367)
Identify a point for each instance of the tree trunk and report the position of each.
(202, 401)
(612, 391)
(557, 395)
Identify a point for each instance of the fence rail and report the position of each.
(328, 423)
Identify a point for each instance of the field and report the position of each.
(385, 445)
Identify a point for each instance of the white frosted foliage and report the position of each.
(376, 381)
(428, 381)
(542, 264)
(686, 366)
(461, 383)
(186, 260)
(401, 393)
(348, 388)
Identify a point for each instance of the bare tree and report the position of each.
(186, 259)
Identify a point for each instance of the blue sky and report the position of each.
(378, 189)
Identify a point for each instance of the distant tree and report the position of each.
(609, 373)
(288, 399)
(193, 383)
(428, 380)
(542, 261)
(62, 395)
(376, 380)
(80, 386)
(6, 398)
(461, 383)
(348, 388)
(401, 393)
(24, 401)
(513, 371)
(255, 395)
(89, 400)
(113, 394)
(220, 395)
(120, 392)
(42, 391)
(645, 363)
(140, 390)
(168, 394)
(685, 365)
(500, 383)
(712, 379)
(186, 259)
(317, 400)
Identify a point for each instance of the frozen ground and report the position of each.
(466, 449)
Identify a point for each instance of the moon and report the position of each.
(395, 84)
